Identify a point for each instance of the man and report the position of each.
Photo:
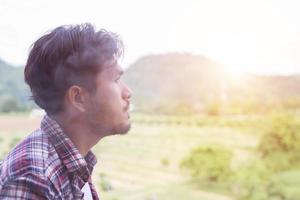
(74, 75)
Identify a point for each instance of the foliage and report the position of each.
(209, 163)
(273, 174)
(281, 186)
(285, 185)
(105, 184)
(280, 146)
(276, 175)
(249, 181)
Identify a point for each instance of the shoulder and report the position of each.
(31, 167)
(28, 157)
(22, 171)
(27, 186)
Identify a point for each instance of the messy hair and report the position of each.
(68, 55)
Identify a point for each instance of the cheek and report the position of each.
(110, 98)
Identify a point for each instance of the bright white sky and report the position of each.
(258, 36)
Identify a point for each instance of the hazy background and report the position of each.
(216, 95)
(254, 36)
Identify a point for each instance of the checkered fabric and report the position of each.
(46, 165)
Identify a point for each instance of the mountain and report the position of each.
(178, 83)
(174, 81)
(12, 87)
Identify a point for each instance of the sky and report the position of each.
(256, 36)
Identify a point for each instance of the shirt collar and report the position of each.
(65, 148)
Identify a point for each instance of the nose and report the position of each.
(127, 92)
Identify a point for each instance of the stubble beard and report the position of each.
(102, 128)
(124, 130)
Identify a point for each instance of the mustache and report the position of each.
(127, 106)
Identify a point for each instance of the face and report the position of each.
(108, 107)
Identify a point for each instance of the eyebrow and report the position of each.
(117, 72)
(120, 71)
(117, 69)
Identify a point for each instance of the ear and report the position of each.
(76, 97)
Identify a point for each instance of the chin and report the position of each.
(124, 128)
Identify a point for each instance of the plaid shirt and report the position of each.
(46, 165)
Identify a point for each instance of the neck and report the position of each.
(81, 136)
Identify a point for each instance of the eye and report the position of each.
(118, 79)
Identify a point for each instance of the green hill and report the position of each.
(14, 93)
(178, 83)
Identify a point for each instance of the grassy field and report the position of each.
(144, 164)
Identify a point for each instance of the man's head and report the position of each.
(74, 70)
